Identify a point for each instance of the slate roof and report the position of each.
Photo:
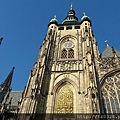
(109, 52)
(16, 95)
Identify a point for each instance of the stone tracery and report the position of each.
(111, 93)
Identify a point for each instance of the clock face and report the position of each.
(68, 44)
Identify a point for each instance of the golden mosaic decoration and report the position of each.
(64, 100)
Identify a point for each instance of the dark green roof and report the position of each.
(70, 18)
(109, 52)
(54, 20)
(85, 18)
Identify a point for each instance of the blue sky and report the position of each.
(23, 26)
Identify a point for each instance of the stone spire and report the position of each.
(5, 86)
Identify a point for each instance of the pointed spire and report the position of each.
(7, 83)
(5, 86)
(84, 14)
(70, 18)
(1, 40)
(106, 41)
(71, 7)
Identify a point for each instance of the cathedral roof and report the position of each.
(15, 95)
(109, 52)
(70, 18)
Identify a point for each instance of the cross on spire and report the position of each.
(84, 13)
(106, 41)
(71, 7)
(55, 17)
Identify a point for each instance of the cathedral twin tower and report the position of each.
(70, 76)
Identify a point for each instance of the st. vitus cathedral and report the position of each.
(70, 76)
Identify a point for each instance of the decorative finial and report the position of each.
(54, 19)
(84, 13)
(71, 7)
(54, 16)
(1, 40)
(106, 41)
(13, 68)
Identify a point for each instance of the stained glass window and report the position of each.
(64, 100)
(110, 93)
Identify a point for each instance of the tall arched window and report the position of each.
(71, 53)
(64, 101)
(111, 94)
(67, 49)
(64, 54)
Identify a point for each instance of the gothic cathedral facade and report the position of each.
(70, 75)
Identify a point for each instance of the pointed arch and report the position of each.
(63, 39)
(65, 100)
(110, 92)
(70, 91)
(102, 80)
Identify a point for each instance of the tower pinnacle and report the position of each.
(85, 18)
(71, 7)
(54, 20)
(84, 14)
(70, 18)
(1, 40)
(6, 85)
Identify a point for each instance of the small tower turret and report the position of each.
(54, 21)
(85, 18)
